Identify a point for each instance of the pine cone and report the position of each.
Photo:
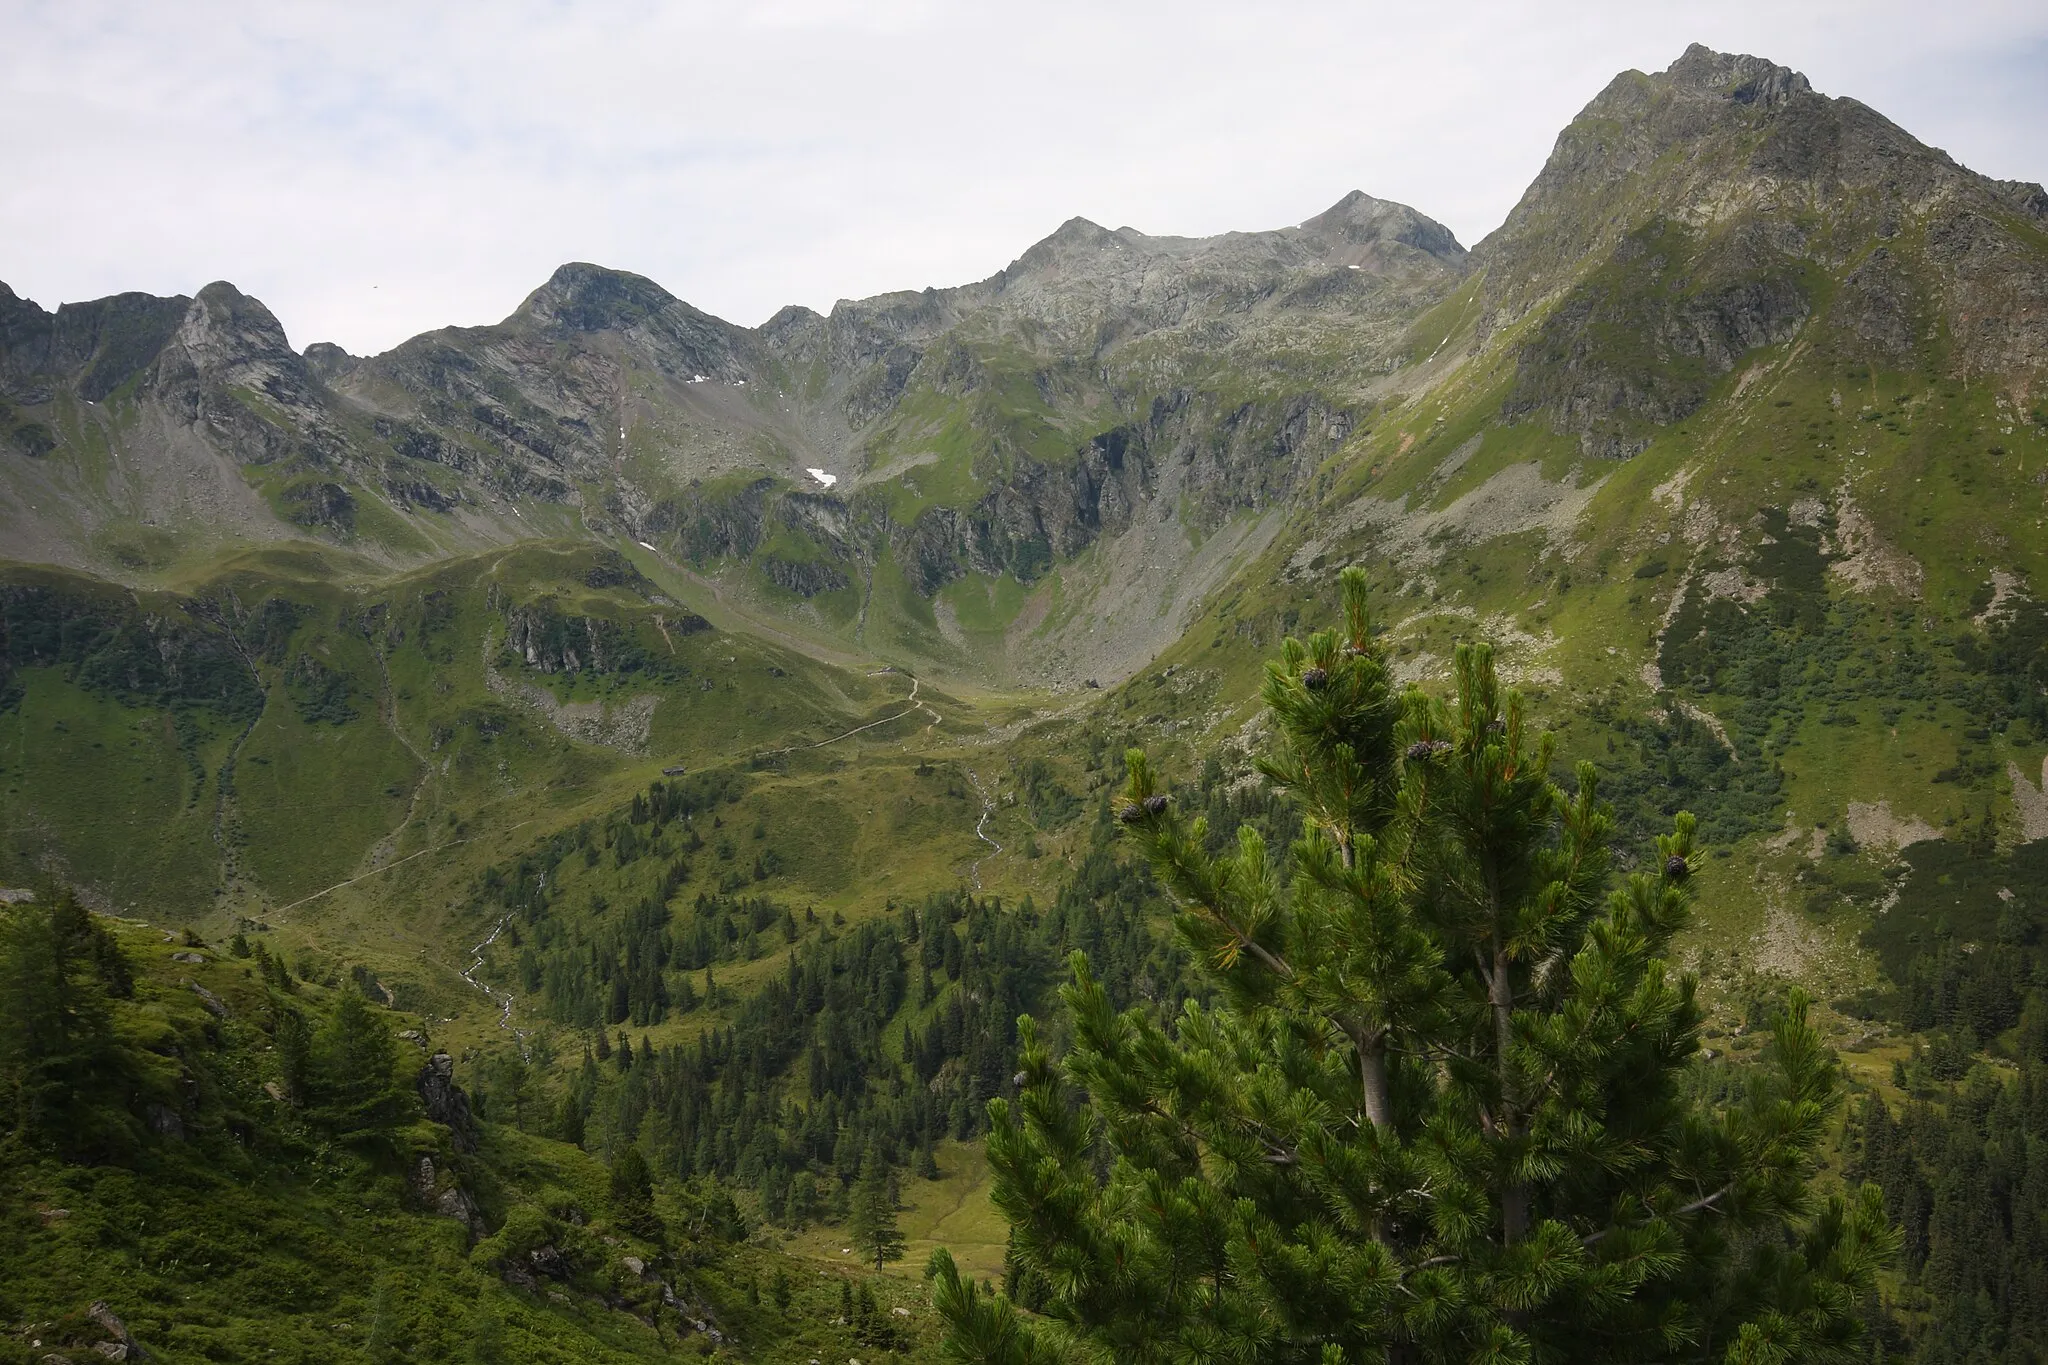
(1314, 679)
(1130, 812)
(1155, 805)
(1676, 868)
(1423, 750)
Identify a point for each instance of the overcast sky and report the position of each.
(372, 170)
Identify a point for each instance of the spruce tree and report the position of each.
(294, 1043)
(1438, 1111)
(872, 1216)
(355, 1089)
(633, 1195)
(65, 1080)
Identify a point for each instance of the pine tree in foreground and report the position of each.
(1438, 1112)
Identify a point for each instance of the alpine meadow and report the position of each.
(1312, 796)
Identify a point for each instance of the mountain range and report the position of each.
(1732, 441)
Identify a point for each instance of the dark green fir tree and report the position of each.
(871, 1218)
(64, 1080)
(1438, 1110)
(354, 1072)
(633, 1195)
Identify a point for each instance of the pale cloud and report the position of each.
(376, 169)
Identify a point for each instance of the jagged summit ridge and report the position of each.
(1736, 76)
(1358, 230)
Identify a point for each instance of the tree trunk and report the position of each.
(1500, 993)
(1372, 1077)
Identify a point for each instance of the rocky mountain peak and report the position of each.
(1075, 238)
(1713, 138)
(328, 360)
(592, 298)
(18, 315)
(1736, 76)
(97, 344)
(225, 328)
(1359, 220)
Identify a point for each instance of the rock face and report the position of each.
(440, 1192)
(445, 1102)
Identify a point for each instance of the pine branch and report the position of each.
(1704, 1202)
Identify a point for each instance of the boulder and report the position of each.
(120, 1344)
(212, 1003)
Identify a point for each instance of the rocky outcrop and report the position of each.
(96, 347)
(439, 1191)
(1642, 342)
(118, 1343)
(713, 522)
(549, 641)
(444, 1101)
(804, 578)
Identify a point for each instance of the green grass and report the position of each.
(955, 1212)
(312, 797)
(118, 797)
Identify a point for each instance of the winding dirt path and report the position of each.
(915, 705)
(364, 876)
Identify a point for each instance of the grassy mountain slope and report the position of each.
(1733, 439)
(240, 1224)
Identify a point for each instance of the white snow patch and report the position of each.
(645, 546)
(822, 477)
